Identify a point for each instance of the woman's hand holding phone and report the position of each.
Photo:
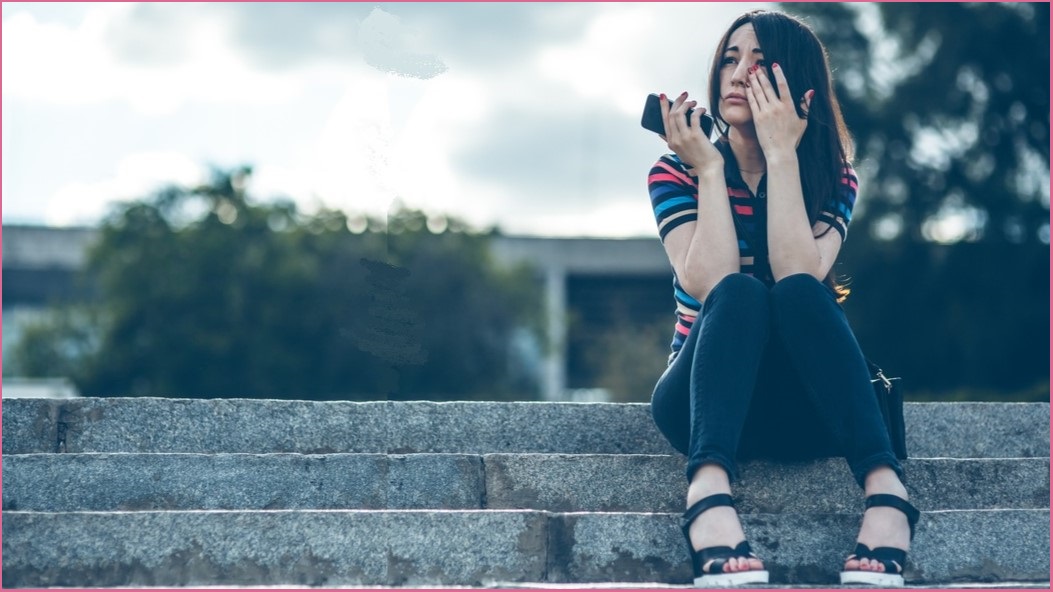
(686, 139)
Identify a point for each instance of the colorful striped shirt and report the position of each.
(674, 198)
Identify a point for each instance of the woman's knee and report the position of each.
(671, 418)
(740, 288)
(800, 290)
(670, 409)
(799, 283)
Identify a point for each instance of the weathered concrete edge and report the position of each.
(961, 430)
(550, 482)
(574, 547)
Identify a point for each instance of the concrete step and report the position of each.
(553, 482)
(478, 548)
(959, 430)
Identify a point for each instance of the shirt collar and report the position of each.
(731, 168)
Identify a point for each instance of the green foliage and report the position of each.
(55, 344)
(949, 107)
(628, 357)
(206, 294)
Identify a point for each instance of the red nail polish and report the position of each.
(662, 96)
(775, 64)
(683, 94)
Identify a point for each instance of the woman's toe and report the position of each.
(873, 565)
(737, 564)
(852, 564)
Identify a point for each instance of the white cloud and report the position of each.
(136, 176)
(632, 49)
(388, 138)
(602, 64)
(66, 65)
(626, 216)
(448, 112)
(558, 103)
(391, 47)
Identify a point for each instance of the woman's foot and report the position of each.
(720, 526)
(882, 526)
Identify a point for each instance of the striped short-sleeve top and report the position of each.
(674, 199)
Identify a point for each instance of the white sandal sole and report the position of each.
(724, 580)
(884, 580)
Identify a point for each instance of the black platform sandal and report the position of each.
(714, 576)
(894, 559)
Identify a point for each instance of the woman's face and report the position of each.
(741, 54)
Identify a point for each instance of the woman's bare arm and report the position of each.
(704, 251)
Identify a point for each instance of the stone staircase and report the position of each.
(237, 492)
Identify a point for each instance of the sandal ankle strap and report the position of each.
(706, 503)
(891, 501)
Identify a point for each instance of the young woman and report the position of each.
(762, 353)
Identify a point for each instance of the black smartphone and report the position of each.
(652, 117)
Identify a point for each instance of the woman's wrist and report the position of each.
(712, 170)
(780, 158)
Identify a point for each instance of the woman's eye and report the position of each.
(761, 63)
(727, 61)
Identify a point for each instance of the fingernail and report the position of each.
(683, 94)
(811, 93)
(775, 64)
(662, 96)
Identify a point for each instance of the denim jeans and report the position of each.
(771, 373)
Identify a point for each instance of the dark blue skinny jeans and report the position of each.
(771, 373)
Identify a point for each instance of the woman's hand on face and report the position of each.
(779, 128)
(688, 141)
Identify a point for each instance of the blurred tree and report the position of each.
(628, 356)
(949, 106)
(205, 294)
(54, 345)
(949, 251)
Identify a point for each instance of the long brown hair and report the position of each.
(826, 145)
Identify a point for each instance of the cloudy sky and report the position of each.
(524, 116)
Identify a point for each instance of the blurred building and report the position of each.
(39, 388)
(588, 284)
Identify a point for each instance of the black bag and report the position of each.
(890, 401)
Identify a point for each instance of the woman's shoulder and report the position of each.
(671, 159)
(670, 169)
(848, 175)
